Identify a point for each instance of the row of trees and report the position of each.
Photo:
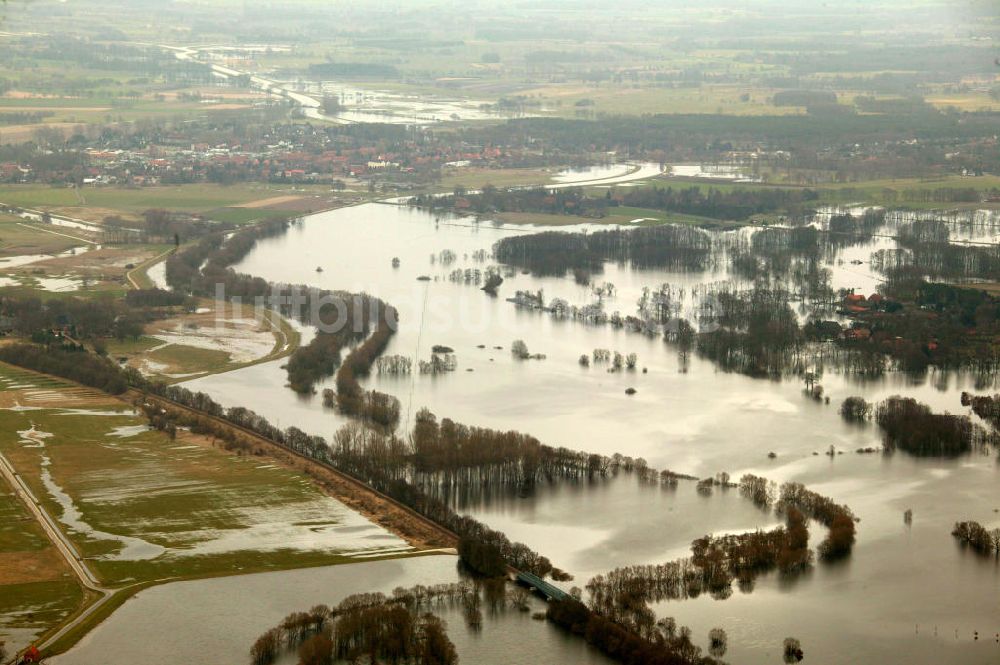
(396, 629)
(837, 518)
(441, 456)
(481, 558)
(666, 646)
(733, 204)
(941, 260)
(449, 453)
(345, 319)
(795, 497)
(76, 365)
(157, 298)
(623, 594)
(358, 451)
(200, 268)
(81, 318)
(681, 248)
(372, 406)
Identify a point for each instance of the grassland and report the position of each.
(18, 237)
(576, 100)
(37, 589)
(890, 192)
(894, 192)
(141, 506)
(208, 341)
(475, 178)
(85, 273)
(94, 204)
(144, 508)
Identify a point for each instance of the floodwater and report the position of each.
(900, 598)
(360, 105)
(587, 173)
(728, 172)
(217, 620)
(157, 274)
(132, 549)
(28, 259)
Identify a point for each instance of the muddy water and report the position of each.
(883, 605)
(216, 620)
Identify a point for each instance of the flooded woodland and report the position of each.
(686, 415)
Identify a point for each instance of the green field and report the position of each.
(200, 198)
(18, 237)
(37, 589)
(171, 360)
(151, 507)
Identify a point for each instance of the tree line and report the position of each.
(346, 318)
(400, 628)
(681, 248)
(356, 451)
(838, 518)
(666, 646)
(446, 454)
(198, 268)
(733, 204)
(76, 365)
(372, 406)
(794, 496)
(82, 318)
(622, 596)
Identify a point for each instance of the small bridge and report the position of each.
(541, 587)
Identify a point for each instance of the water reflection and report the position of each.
(217, 620)
(880, 606)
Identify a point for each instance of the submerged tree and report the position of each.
(717, 642)
(855, 410)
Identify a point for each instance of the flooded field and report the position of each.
(686, 416)
(222, 617)
(139, 504)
